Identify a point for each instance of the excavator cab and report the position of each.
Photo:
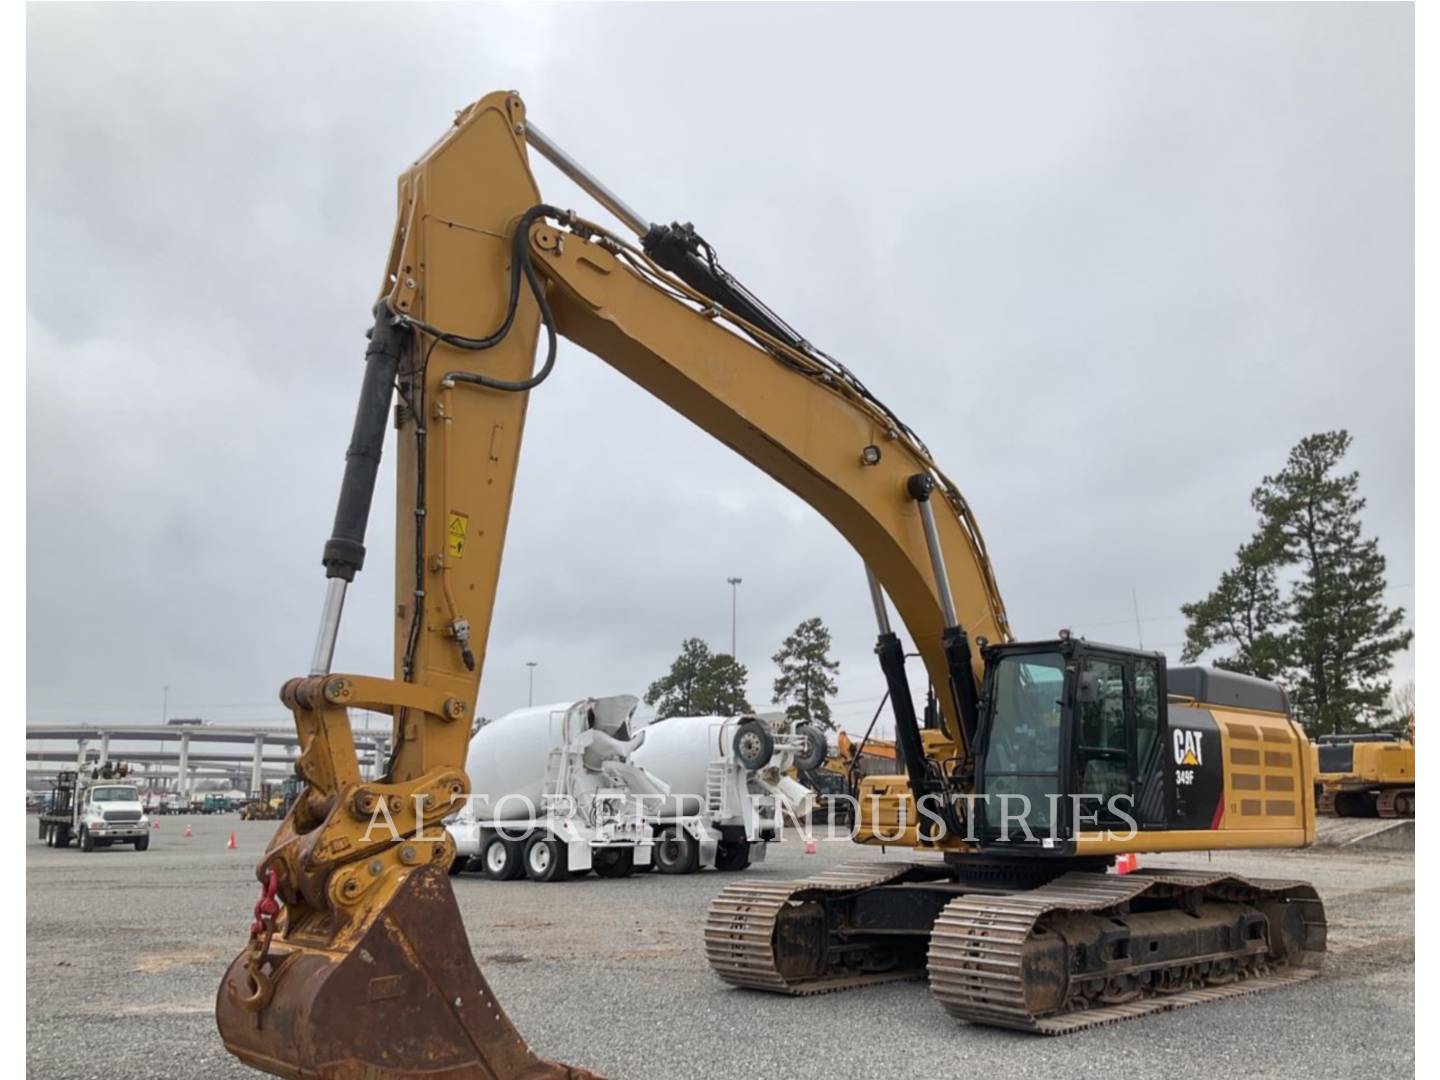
(1070, 740)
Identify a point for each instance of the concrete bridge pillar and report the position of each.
(257, 776)
(183, 780)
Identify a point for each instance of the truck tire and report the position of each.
(676, 852)
(459, 865)
(143, 844)
(47, 833)
(502, 859)
(62, 835)
(815, 749)
(613, 862)
(754, 745)
(44, 830)
(87, 842)
(546, 859)
(732, 855)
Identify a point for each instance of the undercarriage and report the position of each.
(1052, 956)
(1392, 801)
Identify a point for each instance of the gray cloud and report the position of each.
(1111, 262)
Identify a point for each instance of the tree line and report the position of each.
(705, 683)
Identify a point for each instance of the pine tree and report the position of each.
(1332, 639)
(807, 673)
(1344, 635)
(1244, 612)
(700, 683)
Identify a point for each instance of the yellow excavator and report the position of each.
(1369, 775)
(1047, 758)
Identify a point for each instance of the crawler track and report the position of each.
(741, 931)
(1396, 803)
(1262, 935)
(981, 972)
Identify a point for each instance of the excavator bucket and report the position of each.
(407, 1000)
(358, 966)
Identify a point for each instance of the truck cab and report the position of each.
(98, 810)
(110, 812)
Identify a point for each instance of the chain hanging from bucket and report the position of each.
(262, 929)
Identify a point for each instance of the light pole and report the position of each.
(734, 581)
(531, 665)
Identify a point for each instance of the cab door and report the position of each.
(1119, 769)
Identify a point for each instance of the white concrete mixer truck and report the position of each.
(728, 787)
(554, 792)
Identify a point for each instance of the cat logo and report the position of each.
(1187, 748)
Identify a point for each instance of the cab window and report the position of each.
(1103, 752)
(1147, 710)
(1022, 756)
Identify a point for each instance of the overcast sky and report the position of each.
(1109, 262)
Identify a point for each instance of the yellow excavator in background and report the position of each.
(1048, 758)
(1370, 775)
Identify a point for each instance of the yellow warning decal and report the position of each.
(455, 526)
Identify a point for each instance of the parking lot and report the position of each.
(125, 951)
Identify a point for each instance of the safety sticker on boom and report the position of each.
(455, 526)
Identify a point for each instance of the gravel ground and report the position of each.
(124, 951)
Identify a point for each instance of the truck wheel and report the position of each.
(501, 859)
(754, 745)
(62, 836)
(143, 844)
(87, 842)
(545, 859)
(732, 856)
(676, 852)
(459, 865)
(44, 830)
(47, 832)
(613, 862)
(815, 748)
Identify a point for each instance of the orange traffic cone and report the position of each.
(232, 845)
(1127, 864)
(188, 832)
